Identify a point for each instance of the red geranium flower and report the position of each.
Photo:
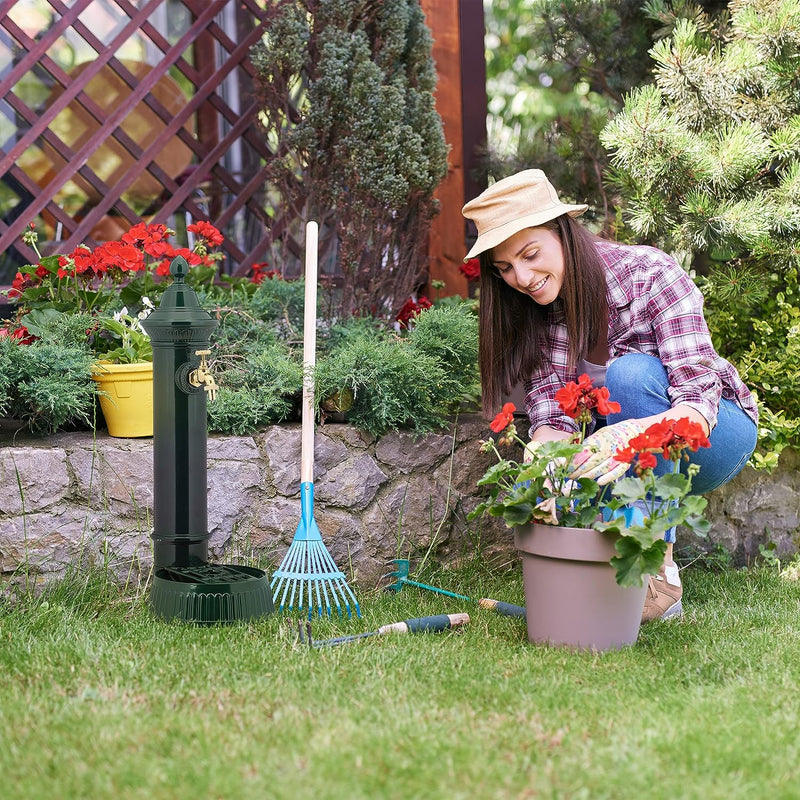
(669, 437)
(577, 400)
(259, 272)
(647, 460)
(80, 261)
(471, 270)
(158, 249)
(21, 334)
(205, 229)
(19, 284)
(639, 461)
(504, 418)
(411, 309)
(145, 236)
(191, 257)
(118, 255)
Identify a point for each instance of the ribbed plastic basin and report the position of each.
(211, 593)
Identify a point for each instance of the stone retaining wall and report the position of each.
(74, 497)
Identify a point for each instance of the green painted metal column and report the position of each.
(185, 585)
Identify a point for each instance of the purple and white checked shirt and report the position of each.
(653, 308)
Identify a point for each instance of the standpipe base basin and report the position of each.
(211, 593)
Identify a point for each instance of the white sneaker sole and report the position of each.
(675, 610)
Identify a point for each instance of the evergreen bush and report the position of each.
(347, 88)
(708, 163)
(413, 381)
(46, 385)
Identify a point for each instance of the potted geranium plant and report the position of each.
(97, 282)
(615, 530)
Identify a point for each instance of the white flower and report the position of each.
(148, 308)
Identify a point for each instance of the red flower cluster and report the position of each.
(670, 437)
(504, 418)
(578, 399)
(22, 282)
(208, 232)
(20, 334)
(471, 270)
(259, 272)
(118, 259)
(153, 240)
(106, 258)
(411, 309)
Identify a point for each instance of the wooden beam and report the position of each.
(446, 241)
(473, 97)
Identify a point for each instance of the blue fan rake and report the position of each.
(308, 577)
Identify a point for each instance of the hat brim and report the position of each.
(495, 236)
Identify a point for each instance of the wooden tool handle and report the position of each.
(506, 609)
(309, 354)
(439, 622)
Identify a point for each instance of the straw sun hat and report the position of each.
(520, 201)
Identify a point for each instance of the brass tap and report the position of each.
(201, 376)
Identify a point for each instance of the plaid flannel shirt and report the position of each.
(653, 308)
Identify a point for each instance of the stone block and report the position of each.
(352, 483)
(406, 453)
(42, 474)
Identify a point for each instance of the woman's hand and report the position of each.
(596, 461)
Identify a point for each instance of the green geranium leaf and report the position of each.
(517, 514)
(634, 562)
(698, 525)
(630, 489)
(672, 486)
(495, 473)
(694, 504)
(39, 319)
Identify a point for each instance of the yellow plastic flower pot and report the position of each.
(126, 397)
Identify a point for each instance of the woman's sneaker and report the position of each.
(664, 592)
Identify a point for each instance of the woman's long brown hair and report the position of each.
(513, 328)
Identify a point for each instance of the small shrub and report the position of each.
(449, 334)
(46, 385)
(259, 389)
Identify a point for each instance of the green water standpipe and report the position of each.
(185, 585)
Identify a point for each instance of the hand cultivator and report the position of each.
(401, 573)
(434, 624)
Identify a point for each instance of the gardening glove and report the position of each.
(596, 461)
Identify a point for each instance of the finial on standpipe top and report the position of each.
(179, 269)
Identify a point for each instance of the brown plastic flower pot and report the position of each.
(572, 598)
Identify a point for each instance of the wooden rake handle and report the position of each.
(309, 353)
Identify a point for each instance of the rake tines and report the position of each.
(308, 575)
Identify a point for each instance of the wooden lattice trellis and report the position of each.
(114, 141)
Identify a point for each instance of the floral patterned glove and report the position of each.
(596, 460)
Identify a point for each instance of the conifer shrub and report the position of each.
(46, 386)
(347, 88)
(706, 161)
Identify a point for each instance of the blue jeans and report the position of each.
(639, 384)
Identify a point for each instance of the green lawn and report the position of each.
(100, 700)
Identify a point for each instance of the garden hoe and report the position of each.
(434, 624)
(308, 575)
(401, 573)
